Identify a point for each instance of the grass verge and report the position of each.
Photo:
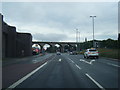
(109, 53)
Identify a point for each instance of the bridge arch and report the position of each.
(71, 45)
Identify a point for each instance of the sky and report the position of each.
(58, 21)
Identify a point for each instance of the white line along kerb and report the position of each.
(95, 81)
(25, 77)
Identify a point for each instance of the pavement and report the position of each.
(62, 71)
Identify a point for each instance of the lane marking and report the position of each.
(91, 62)
(94, 81)
(77, 66)
(113, 64)
(34, 61)
(71, 60)
(59, 60)
(25, 77)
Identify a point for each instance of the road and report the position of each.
(64, 71)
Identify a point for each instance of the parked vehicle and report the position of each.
(91, 53)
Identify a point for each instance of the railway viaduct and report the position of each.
(52, 44)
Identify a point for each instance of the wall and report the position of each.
(15, 44)
(24, 44)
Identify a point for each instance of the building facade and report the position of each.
(15, 44)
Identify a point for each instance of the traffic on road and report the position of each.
(58, 70)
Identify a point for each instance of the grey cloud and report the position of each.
(63, 16)
(106, 36)
(49, 37)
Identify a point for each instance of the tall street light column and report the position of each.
(93, 29)
(76, 35)
(77, 39)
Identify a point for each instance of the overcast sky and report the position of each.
(58, 21)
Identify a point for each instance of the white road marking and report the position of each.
(59, 60)
(77, 66)
(74, 63)
(113, 64)
(87, 61)
(53, 57)
(34, 61)
(25, 77)
(71, 60)
(91, 61)
(94, 81)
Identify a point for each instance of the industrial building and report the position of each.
(15, 44)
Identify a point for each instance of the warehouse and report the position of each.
(15, 44)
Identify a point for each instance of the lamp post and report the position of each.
(79, 36)
(77, 39)
(93, 29)
(76, 35)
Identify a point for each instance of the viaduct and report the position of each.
(52, 44)
(16, 44)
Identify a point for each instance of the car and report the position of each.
(92, 52)
(35, 51)
(73, 53)
(58, 53)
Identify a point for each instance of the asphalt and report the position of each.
(70, 71)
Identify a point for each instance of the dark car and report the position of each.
(58, 53)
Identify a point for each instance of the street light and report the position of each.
(77, 38)
(93, 28)
(76, 35)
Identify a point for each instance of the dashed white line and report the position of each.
(77, 66)
(25, 77)
(71, 60)
(74, 63)
(94, 81)
(34, 61)
(113, 64)
(59, 60)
